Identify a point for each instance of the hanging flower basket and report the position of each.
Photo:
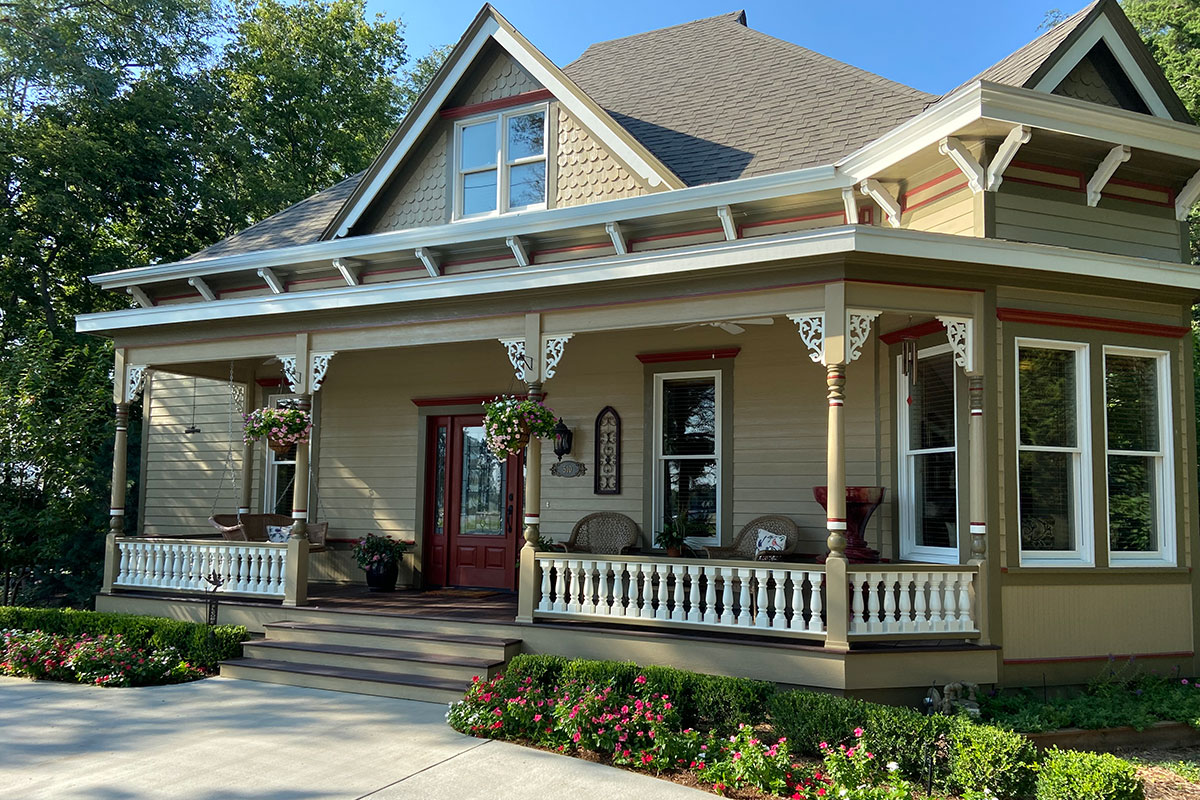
(282, 428)
(509, 423)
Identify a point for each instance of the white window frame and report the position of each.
(502, 164)
(273, 460)
(658, 491)
(1164, 467)
(1085, 534)
(909, 549)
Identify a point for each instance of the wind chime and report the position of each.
(908, 361)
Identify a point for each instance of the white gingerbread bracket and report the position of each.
(291, 375)
(239, 396)
(858, 328)
(272, 280)
(876, 191)
(201, 286)
(318, 366)
(960, 331)
(617, 236)
(1108, 167)
(519, 251)
(552, 352)
(145, 301)
(431, 259)
(728, 225)
(965, 161)
(1005, 154)
(812, 333)
(135, 381)
(350, 269)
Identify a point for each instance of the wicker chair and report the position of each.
(745, 544)
(253, 528)
(603, 533)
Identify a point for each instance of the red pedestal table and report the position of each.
(861, 502)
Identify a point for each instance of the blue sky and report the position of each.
(931, 45)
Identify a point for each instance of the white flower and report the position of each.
(892, 766)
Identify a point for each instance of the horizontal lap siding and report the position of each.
(954, 214)
(186, 473)
(1050, 216)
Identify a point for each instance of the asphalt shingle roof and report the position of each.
(715, 100)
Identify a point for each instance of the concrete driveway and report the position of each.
(223, 739)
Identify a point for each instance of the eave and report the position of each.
(717, 255)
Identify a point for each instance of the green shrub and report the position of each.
(709, 701)
(198, 644)
(1070, 775)
(806, 719)
(986, 757)
(911, 739)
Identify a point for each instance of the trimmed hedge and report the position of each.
(714, 702)
(1069, 775)
(198, 644)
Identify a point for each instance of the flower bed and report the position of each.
(738, 736)
(107, 660)
(202, 646)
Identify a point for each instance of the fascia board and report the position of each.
(745, 190)
(843, 239)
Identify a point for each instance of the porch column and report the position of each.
(978, 503)
(533, 480)
(116, 507)
(247, 455)
(300, 483)
(837, 603)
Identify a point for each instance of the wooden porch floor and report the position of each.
(466, 604)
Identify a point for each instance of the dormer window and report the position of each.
(500, 163)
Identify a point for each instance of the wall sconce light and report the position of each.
(563, 437)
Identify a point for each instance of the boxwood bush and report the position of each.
(201, 645)
(1068, 775)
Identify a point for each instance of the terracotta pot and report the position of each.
(674, 552)
(381, 576)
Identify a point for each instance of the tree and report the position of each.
(126, 138)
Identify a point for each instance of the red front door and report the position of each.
(473, 508)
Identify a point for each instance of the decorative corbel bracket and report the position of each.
(1005, 154)
(431, 259)
(960, 332)
(515, 348)
(552, 352)
(618, 237)
(139, 295)
(272, 280)
(349, 269)
(518, 250)
(203, 288)
(1115, 158)
(135, 380)
(850, 205)
(812, 332)
(725, 214)
(876, 191)
(318, 366)
(965, 161)
(291, 375)
(858, 328)
(1187, 197)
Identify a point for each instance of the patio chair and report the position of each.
(745, 544)
(603, 533)
(253, 528)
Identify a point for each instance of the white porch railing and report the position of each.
(258, 569)
(918, 600)
(734, 596)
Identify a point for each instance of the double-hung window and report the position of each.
(1053, 456)
(280, 476)
(500, 163)
(687, 457)
(1137, 431)
(928, 459)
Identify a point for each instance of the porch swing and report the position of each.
(244, 526)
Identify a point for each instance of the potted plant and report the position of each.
(283, 428)
(509, 422)
(380, 556)
(677, 530)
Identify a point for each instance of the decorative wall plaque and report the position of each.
(568, 469)
(608, 452)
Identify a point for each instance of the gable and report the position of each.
(495, 75)
(1098, 78)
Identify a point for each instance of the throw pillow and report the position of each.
(770, 541)
(278, 533)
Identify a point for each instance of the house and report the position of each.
(743, 274)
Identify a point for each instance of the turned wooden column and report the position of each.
(533, 479)
(300, 483)
(978, 470)
(116, 507)
(247, 487)
(837, 602)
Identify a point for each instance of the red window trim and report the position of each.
(459, 112)
(1091, 323)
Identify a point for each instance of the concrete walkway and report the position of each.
(222, 739)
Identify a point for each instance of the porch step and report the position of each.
(342, 679)
(377, 659)
(480, 647)
(411, 664)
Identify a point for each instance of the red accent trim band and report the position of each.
(912, 332)
(458, 112)
(467, 400)
(786, 220)
(1080, 659)
(904, 206)
(689, 355)
(681, 234)
(933, 182)
(1091, 323)
(571, 249)
(1074, 173)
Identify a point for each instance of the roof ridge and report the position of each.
(738, 17)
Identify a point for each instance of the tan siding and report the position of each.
(954, 214)
(494, 76)
(1048, 216)
(1082, 620)
(185, 474)
(586, 171)
(418, 196)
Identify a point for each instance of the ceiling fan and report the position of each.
(733, 326)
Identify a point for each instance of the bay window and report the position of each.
(1053, 462)
(1137, 433)
(500, 163)
(687, 453)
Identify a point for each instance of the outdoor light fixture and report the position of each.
(562, 439)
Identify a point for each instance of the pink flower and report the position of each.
(858, 732)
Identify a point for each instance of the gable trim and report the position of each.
(490, 26)
(460, 112)
(1102, 28)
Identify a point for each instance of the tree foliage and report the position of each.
(133, 132)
